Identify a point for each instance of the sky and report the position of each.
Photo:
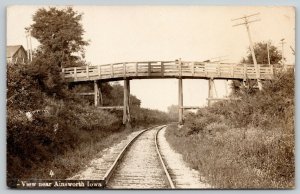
(192, 33)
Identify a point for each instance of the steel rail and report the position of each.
(110, 171)
(162, 161)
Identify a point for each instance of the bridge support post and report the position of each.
(210, 92)
(126, 111)
(100, 94)
(98, 100)
(259, 84)
(180, 102)
(96, 93)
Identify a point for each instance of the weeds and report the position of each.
(65, 132)
(243, 144)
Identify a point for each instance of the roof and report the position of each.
(12, 49)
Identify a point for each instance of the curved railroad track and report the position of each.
(143, 160)
(140, 165)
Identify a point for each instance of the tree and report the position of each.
(113, 96)
(59, 32)
(261, 54)
(23, 93)
(173, 112)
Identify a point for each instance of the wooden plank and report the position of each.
(75, 73)
(180, 101)
(99, 71)
(149, 69)
(96, 94)
(110, 107)
(162, 68)
(180, 67)
(86, 93)
(210, 91)
(124, 70)
(245, 71)
(136, 69)
(112, 70)
(63, 72)
(126, 111)
(216, 99)
(272, 70)
(191, 107)
(100, 94)
(87, 72)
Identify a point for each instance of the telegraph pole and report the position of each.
(28, 39)
(30, 44)
(268, 50)
(27, 46)
(246, 21)
(282, 53)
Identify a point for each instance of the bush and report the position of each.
(42, 126)
(248, 143)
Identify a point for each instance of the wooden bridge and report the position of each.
(160, 70)
(166, 69)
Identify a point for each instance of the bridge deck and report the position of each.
(166, 69)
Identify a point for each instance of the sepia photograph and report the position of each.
(150, 97)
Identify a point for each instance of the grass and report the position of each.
(72, 161)
(243, 144)
(66, 140)
(234, 159)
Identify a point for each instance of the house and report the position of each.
(16, 53)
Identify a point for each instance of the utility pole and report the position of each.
(30, 44)
(27, 46)
(246, 21)
(268, 50)
(28, 39)
(282, 53)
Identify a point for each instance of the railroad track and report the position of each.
(143, 160)
(140, 164)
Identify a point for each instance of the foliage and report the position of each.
(60, 34)
(173, 112)
(60, 126)
(53, 132)
(47, 123)
(23, 92)
(145, 117)
(112, 94)
(247, 143)
(261, 54)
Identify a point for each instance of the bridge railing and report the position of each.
(163, 69)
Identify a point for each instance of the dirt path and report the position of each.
(182, 175)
